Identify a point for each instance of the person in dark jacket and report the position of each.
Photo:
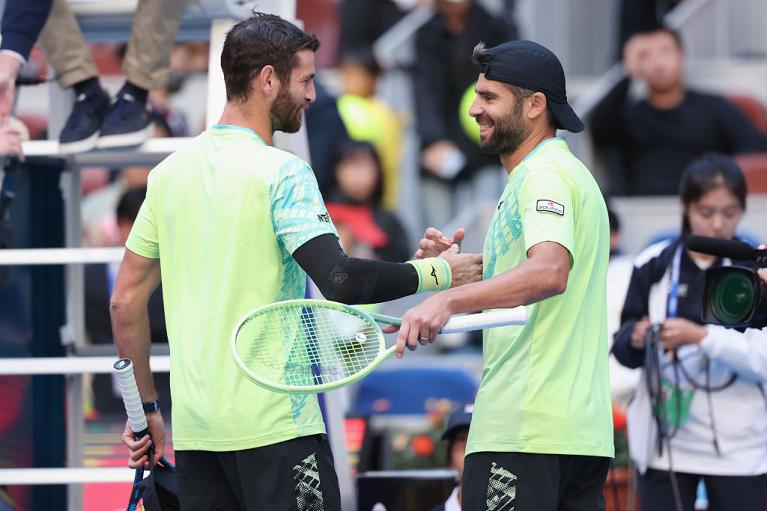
(649, 142)
(709, 420)
(442, 74)
(326, 133)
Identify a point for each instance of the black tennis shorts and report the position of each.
(502, 481)
(296, 475)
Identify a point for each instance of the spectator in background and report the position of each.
(95, 120)
(712, 378)
(326, 133)
(623, 381)
(443, 72)
(368, 119)
(641, 16)
(20, 26)
(657, 137)
(355, 202)
(99, 283)
(456, 433)
(364, 21)
(102, 189)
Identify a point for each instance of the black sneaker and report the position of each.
(82, 127)
(126, 123)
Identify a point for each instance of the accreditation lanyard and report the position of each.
(672, 309)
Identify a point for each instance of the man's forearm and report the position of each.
(132, 338)
(529, 282)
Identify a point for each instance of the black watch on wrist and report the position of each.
(151, 406)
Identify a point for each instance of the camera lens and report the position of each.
(733, 298)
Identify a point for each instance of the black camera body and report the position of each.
(733, 296)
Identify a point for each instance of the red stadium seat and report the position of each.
(753, 108)
(754, 167)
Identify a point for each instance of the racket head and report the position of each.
(307, 346)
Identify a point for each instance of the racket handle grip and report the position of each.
(123, 369)
(492, 319)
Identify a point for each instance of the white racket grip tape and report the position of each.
(492, 319)
(123, 369)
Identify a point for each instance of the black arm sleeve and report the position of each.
(351, 280)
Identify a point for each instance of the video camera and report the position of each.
(733, 296)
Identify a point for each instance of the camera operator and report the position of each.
(700, 410)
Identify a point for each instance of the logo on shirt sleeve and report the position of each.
(550, 206)
(324, 217)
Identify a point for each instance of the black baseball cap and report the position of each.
(460, 417)
(531, 66)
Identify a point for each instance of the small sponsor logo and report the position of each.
(499, 205)
(550, 206)
(324, 217)
(434, 274)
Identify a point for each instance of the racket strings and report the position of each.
(307, 346)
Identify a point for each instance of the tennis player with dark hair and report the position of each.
(232, 224)
(541, 436)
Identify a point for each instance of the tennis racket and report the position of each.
(123, 369)
(307, 346)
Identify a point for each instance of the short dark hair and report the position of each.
(259, 41)
(129, 204)
(661, 29)
(709, 173)
(481, 56)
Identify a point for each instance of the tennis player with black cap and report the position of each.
(541, 433)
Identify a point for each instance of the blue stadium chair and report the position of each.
(406, 391)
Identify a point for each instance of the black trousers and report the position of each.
(502, 481)
(296, 475)
(725, 493)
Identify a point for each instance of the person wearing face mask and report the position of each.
(708, 419)
(648, 142)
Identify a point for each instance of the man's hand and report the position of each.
(10, 141)
(434, 242)
(466, 268)
(634, 52)
(139, 449)
(9, 70)
(436, 155)
(640, 333)
(763, 275)
(422, 323)
(679, 331)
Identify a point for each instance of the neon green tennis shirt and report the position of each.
(224, 214)
(545, 387)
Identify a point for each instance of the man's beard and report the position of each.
(508, 132)
(286, 113)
